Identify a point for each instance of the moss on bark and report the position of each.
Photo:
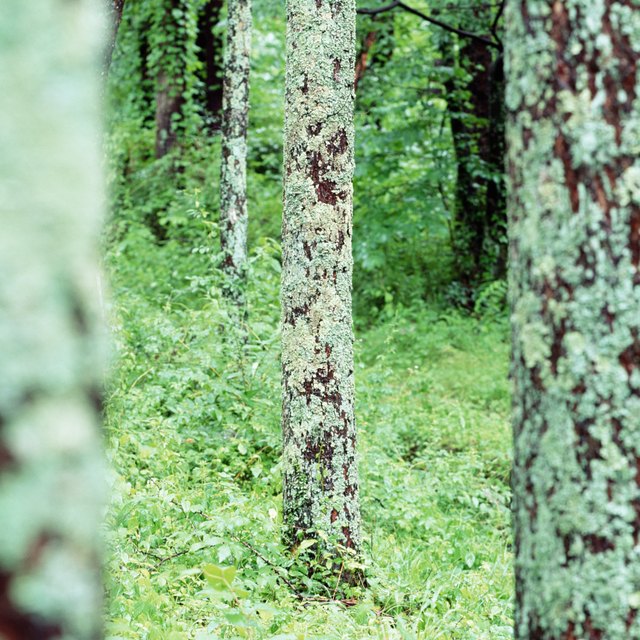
(235, 114)
(574, 181)
(320, 466)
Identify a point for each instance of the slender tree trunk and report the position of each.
(574, 199)
(51, 485)
(210, 45)
(233, 181)
(320, 466)
(496, 200)
(117, 7)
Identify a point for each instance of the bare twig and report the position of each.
(494, 24)
(443, 25)
(177, 554)
(288, 582)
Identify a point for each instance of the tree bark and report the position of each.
(210, 45)
(169, 81)
(233, 180)
(496, 201)
(169, 102)
(362, 61)
(117, 7)
(574, 200)
(51, 481)
(470, 134)
(319, 458)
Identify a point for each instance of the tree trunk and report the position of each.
(117, 6)
(169, 81)
(210, 45)
(470, 133)
(51, 482)
(574, 199)
(320, 467)
(496, 201)
(233, 180)
(362, 61)
(169, 102)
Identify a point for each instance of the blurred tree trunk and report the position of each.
(117, 6)
(363, 59)
(574, 200)
(496, 200)
(233, 180)
(170, 83)
(477, 128)
(469, 116)
(210, 45)
(51, 481)
(320, 467)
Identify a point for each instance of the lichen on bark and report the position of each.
(574, 119)
(233, 180)
(51, 481)
(319, 458)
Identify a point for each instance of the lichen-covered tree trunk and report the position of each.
(320, 466)
(235, 114)
(574, 199)
(51, 481)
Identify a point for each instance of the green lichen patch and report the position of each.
(320, 466)
(575, 283)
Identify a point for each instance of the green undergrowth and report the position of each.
(193, 437)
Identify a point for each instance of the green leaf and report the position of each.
(305, 544)
(219, 578)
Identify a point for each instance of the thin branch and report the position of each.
(494, 25)
(375, 12)
(438, 23)
(288, 582)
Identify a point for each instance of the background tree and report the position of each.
(574, 183)
(51, 485)
(233, 179)
(210, 47)
(470, 68)
(320, 471)
(169, 47)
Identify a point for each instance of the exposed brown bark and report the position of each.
(363, 57)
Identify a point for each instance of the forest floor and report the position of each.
(193, 437)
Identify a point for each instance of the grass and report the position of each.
(194, 443)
